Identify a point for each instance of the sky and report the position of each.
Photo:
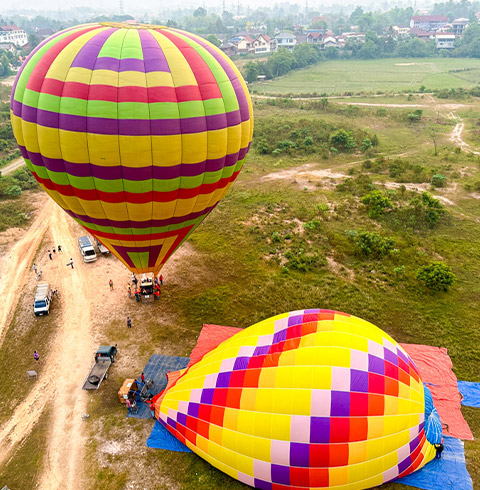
(153, 6)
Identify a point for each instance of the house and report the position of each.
(229, 48)
(330, 42)
(353, 36)
(13, 34)
(8, 47)
(418, 33)
(262, 44)
(284, 40)
(245, 44)
(428, 23)
(43, 33)
(400, 31)
(315, 37)
(445, 40)
(459, 26)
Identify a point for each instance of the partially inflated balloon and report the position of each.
(136, 131)
(308, 399)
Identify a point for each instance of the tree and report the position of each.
(200, 12)
(213, 39)
(251, 71)
(436, 276)
(369, 51)
(377, 203)
(281, 62)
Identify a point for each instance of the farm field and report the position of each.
(385, 75)
(284, 238)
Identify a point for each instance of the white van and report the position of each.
(43, 298)
(86, 248)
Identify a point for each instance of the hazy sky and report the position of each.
(159, 5)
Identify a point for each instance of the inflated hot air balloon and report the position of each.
(308, 399)
(136, 131)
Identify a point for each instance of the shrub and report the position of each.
(415, 116)
(439, 180)
(275, 237)
(13, 191)
(377, 203)
(370, 244)
(299, 260)
(436, 276)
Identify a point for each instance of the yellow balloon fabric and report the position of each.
(307, 399)
(136, 131)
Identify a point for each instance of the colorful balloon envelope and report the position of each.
(308, 399)
(136, 131)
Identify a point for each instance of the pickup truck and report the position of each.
(86, 249)
(43, 298)
(102, 248)
(104, 358)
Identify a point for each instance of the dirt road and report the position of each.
(12, 166)
(456, 136)
(16, 263)
(68, 362)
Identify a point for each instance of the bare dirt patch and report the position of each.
(306, 176)
(340, 269)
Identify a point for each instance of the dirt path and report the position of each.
(74, 345)
(63, 373)
(456, 135)
(12, 166)
(15, 264)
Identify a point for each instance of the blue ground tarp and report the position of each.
(448, 472)
(470, 392)
(157, 367)
(160, 438)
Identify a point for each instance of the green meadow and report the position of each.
(371, 76)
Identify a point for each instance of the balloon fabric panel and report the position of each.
(137, 132)
(308, 399)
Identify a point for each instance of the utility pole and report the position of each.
(120, 7)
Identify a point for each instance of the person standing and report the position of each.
(152, 407)
(50, 255)
(36, 356)
(137, 295)
(129, 290)
(34, 268)
(129, 405)
(53, 250)
(135, 280)
(142, 377)
(70, 263)
(161, 279)
(110, 283)
(59, 249)
(129, 322)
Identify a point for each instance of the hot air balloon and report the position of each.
(136, 131)
(307, 399)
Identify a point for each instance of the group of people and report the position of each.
(132, 404)
(144, 288)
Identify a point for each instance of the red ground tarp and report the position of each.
(433, 363)
(435, 368)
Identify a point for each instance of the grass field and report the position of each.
(385, 75)
(244, 267)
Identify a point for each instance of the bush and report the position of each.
(299, 260)
(13, 191)
(377, 203)
(436, 276)
(371, 244)
(439, 180)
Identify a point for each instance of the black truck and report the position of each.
(104, 357)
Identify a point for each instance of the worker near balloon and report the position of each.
(137, 132)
